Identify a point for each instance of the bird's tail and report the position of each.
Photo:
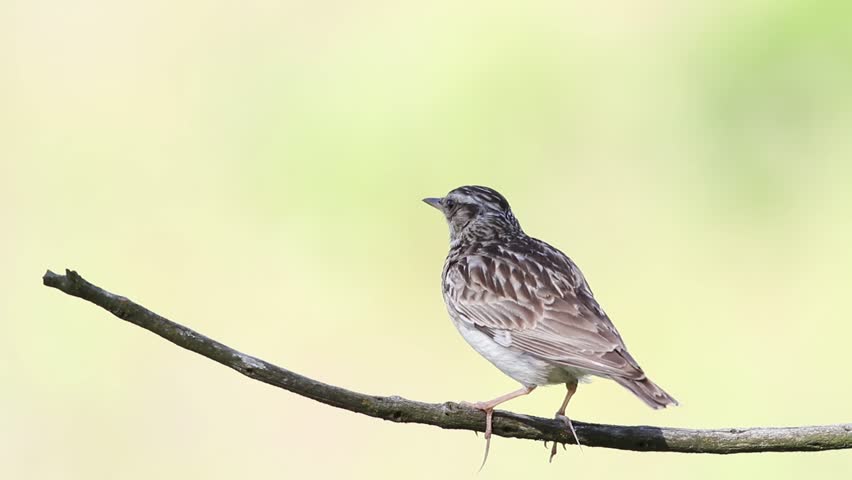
(648, 391)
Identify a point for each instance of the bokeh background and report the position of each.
(254, 170)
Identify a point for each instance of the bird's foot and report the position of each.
(484, 406)
(489, 413)
(568, 424)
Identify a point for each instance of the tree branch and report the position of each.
(454, 416)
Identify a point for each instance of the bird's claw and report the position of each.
(553, 451)
(567, 421)
(570, 426)
(489, 413)
(488, 416)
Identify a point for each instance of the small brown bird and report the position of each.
(526, 307)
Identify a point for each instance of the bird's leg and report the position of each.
(560, 415)
(488, 408)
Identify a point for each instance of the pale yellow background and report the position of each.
(254, 170)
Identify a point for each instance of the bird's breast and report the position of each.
(524, 368)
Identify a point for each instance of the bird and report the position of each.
(527, 308)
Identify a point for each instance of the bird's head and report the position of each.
(476, 213)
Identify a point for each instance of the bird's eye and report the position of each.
(449, 204)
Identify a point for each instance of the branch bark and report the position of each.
(454, 416)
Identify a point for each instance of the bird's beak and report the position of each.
(435, 202)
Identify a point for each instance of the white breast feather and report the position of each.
(521, 367)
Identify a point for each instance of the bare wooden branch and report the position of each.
(454, 416)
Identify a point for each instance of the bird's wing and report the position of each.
(546, 307)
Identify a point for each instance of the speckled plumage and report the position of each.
(524, 305)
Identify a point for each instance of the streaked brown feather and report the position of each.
(539, 295)
(524, 305)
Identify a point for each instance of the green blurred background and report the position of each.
(254, 170)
